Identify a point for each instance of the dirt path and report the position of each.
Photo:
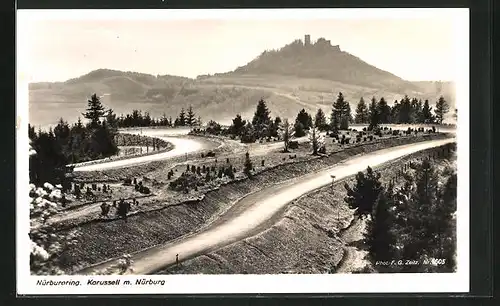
(250, 212)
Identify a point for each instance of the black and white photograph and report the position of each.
(213, 151)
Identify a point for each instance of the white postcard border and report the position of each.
(192, 284)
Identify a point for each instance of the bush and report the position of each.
(262, 163)
(293, 144)
(210, 154)
(185, 182)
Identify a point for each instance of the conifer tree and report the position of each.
(181, 120)
(361, 112)
(95, 110)
(191, 118)
(374, 115)
(248, 166)
(237, 126)
(305, 119)
(365, 192)
(261, 119)
(441, 110)
(286, 134)
(380, 237)
(426, 116)
(384, 111)
(320, 120)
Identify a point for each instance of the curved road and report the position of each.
(252, 211)
(181, 146)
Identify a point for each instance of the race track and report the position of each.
(250, 212)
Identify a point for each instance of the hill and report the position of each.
(321, 60)
(299, 75)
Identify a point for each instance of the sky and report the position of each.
(58, 45)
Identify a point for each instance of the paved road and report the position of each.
(254, 210)
(182, 146)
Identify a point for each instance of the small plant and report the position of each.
(248, 165)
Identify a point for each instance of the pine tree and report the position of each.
(384, 111)
(299, 130)
(320, 120)
(248, 165)
(374, 115)
(286, 134)
(261, 119)
(395, 112)
(405, 110)
(442, 108)
(314, 140)
(305, 119)
(95, 110)
(191, 118)
(365, 192)
(275, 127)
(380, 237)
(181, 120)
(361, 112)
(426, 116)
(237, 126)
(341, 114)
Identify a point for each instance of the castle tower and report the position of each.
(307, 40)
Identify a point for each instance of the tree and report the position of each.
(237, 126)
(341, 114)
(315, 140)
(364, 194)
(442, 108)
(261, 119)
(191, 118)
(95, 110)
(374, 115)
(395, 112)
(181, 119)
(361, 112)
(299, 130)
(305, 119)
(404, 114)
(380, 237)
(286, 134)
(416, 215)
(455, 114)
(275, 127)
(320, 120)
(248, 134)
(426, 115)
(248, 165)
(384, 111)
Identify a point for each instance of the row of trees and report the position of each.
(378, 112)
(137, 119)
(66, 143)
(404, 111)
(412, 222)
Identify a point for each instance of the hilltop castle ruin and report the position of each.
(321, 42)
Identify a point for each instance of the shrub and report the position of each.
(262, 163)
(210, 154)
(185, 182)
(293, 144)
(248, 165)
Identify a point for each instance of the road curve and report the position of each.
(181, 146)
(255, 209)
